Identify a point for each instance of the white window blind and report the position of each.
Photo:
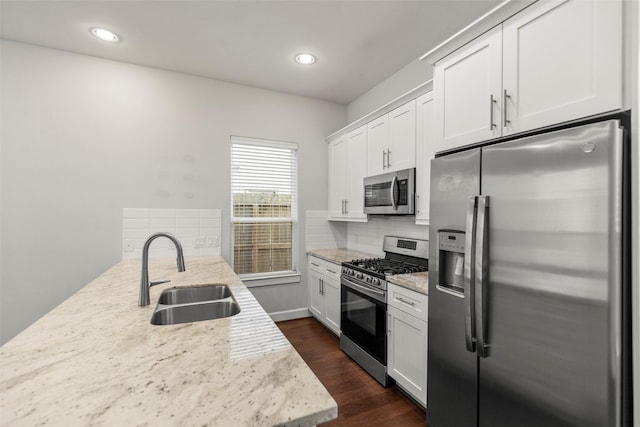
(264, 211)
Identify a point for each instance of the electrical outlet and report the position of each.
(129, 245)
(213, 241)
(200, 242)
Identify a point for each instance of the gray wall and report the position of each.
(83, 137)
(409, 77)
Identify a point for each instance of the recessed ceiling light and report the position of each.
(105, 35)
(305, 58)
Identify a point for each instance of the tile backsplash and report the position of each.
(368, 236)
(364, 236)
(198, 230)
(324, 234)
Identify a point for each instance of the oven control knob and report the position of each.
(351, 273)
(359, 276)
(375, 281)
(368, 279)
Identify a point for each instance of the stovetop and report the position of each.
(381, 267)
(402, 256)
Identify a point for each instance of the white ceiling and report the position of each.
(358, 43)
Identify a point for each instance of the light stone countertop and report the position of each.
(97, 360)
(418, 282)
(339, 255)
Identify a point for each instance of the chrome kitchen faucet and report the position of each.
(144, 279)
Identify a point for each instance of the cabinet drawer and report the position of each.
(315, 264)
(332, 270)
(408, 301)
(324, 267)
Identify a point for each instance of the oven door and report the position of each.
(363, 318)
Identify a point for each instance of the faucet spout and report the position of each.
(144, 279)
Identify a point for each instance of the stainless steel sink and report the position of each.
(191, 294)
(194, 303)
(174, 314)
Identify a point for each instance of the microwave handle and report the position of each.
(393, 193)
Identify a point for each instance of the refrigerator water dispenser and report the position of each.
(451, 260)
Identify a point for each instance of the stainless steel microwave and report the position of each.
(390, 193)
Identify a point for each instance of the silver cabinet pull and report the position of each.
(331, 271)
(468, 271)
(504, 107)
(411, 303)
(384, 159)
(492, 101)
(346, 206)
(388, 158)
(417, 203)
(315, 265)
(481, 272)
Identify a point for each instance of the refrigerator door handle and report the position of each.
(481, 274)
(469, 244)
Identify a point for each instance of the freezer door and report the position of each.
(552, 289)
(452, 369)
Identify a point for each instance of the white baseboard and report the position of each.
(297, 313)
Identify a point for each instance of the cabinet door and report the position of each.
(316, 299)
(338, 152)
(357, 168)
(402, 137)
(332, 304)
(467, 88)
(424, 154)
(377, 145)
(562, 60)
(406, 353)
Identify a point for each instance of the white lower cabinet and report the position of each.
(324, 292)
(407, 340)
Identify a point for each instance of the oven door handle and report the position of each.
(393, 192)
(356, 286)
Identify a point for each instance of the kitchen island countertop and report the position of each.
(97, 360)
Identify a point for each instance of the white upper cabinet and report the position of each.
(467, 86)
(424, 154)
(402, 138)
(554, 61)
(562, 60)
(347, 168)
(378, 143)
(338, 153)
(357, 169)
(392, 140)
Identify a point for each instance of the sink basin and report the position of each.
(174, 314)
(191, 294)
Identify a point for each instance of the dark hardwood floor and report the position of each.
(361, 400)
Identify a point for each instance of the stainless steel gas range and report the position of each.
(363, 301)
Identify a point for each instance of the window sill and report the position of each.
(281, 279)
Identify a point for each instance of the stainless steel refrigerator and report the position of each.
(528, 280)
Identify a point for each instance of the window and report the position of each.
(264, 213)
